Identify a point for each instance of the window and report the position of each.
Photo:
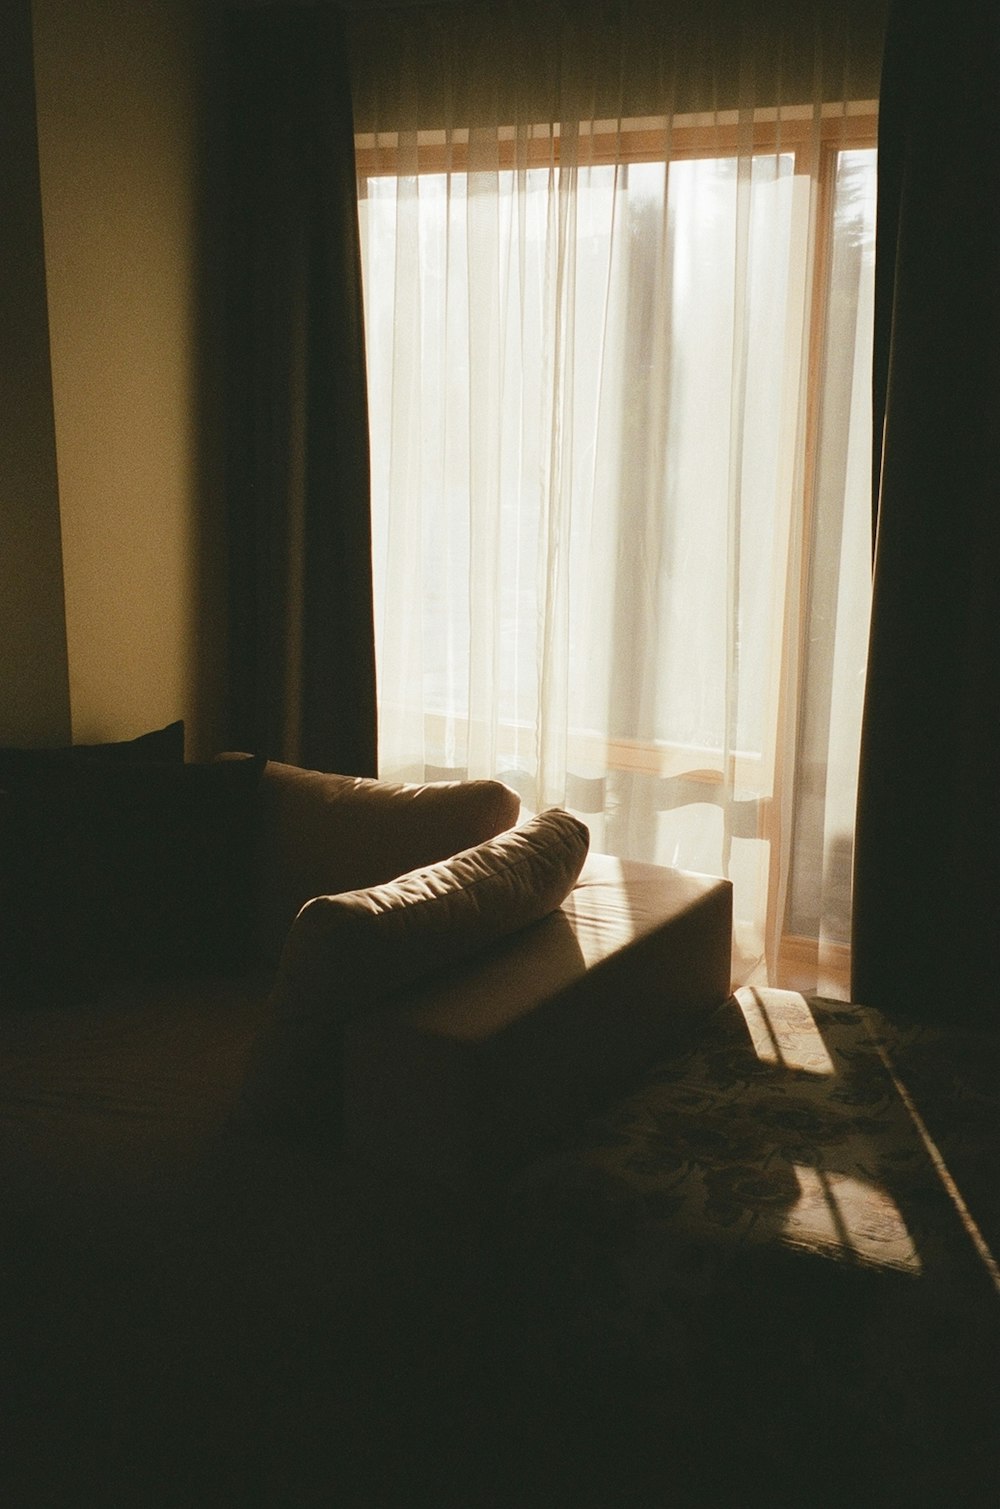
(618, 392)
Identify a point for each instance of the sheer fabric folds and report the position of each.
(617, 267)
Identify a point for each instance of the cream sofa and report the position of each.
(476, 1010)
(214, 1290)
(428, 985)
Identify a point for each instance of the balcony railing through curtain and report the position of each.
(619, 371)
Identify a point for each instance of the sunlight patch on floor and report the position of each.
(837, 1214)
(783, 1029)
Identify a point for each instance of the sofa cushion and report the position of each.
(321, 834)
(113, 868)
(348, 953)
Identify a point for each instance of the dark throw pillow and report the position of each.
(116, 870)
(162, 744)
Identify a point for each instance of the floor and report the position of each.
(767, 1278)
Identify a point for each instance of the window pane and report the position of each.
(620, 435)
(652, 461)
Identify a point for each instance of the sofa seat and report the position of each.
(125, 1092)
(484, 1066)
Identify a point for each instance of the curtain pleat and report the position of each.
(926, 927)
(302, 673)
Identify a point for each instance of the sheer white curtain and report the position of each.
(618, 301)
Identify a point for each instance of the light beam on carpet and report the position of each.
(837, 1214)
(783, 1029)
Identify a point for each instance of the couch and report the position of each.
(234, 1135)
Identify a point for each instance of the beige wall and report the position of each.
(117, 86)
(34, 694)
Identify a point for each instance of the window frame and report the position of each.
(814, 139)
(600, 143)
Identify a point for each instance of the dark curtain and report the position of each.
(926, 926)
(302, 658)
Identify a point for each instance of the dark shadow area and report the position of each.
(196, 1314)
(751, 1285)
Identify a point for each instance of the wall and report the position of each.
(118, 101)
(34, 692)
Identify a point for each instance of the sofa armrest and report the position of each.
(475, 1071)
(322, 834)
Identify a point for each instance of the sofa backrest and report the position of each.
(322, 834)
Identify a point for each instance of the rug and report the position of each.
(770, 1275)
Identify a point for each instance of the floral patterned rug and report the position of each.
(777, 1266)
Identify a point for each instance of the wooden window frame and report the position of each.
(815, 139)
(602, 143)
